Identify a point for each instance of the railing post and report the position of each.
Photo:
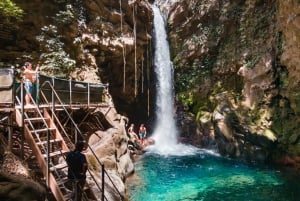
(48, 157)
(76, 135)
(89, 95)
(10, 118)
(102, 198)
(22, 121)
(70, 87)
(14, 87)
(52, 97)
(37, 99)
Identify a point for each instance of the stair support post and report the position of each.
(70, 86)
(48, 157)
(103, 175)
(52, 98)
(37, 98)
(88, 95)
(22, 119)
(10, 118)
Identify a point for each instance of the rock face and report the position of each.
(236, 75)
(111, 147)
(20, 189)
(106, 41)
(15, 179)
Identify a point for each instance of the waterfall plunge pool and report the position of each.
(172, 172)
(208, 177)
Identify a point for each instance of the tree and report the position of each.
(10, 14)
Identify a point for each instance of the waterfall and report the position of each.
(165, 131)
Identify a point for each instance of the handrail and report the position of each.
(78, 130)
(74, 91)
(21, 102)
(66, 135)
(36, 108)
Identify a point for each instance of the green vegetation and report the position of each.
(65, 17)
(10, 14)
(56, 61)
(251, 61)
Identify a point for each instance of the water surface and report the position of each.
(208, 177)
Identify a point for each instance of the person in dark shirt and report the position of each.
(77, 167)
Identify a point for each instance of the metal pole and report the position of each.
(102, 198)
(10, 130)
(14, 87)
(48, 157)
(37, 88)
(52, 97)
(70, 86)
(89, 94)
(22, 124)
(10, 119)
(76, 135)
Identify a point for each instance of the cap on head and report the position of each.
(79, 145)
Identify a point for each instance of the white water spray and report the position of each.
(165, 132)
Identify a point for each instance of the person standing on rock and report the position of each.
(77, 167)
(30, 77)
(133, 137)
(142, 133)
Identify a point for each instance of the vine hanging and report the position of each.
(135, 66)
(123, 48)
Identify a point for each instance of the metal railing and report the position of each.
(77, 92)
(70, 91)
(56, 97)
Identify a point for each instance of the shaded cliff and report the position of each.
(236, 75)
(107, 41)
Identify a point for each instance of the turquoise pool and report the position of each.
(204, 176)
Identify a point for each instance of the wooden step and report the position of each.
(31, 106)
(55, 153)
(68, 196)
(43, 130)
(50, 141)
(62, 181)
(37, 119)
(59, 166)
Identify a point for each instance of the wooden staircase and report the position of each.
(41, 133)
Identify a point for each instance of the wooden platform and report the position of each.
(72, 106)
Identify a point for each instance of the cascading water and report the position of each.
(165, 132)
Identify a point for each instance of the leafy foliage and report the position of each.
(65, 17)
(10, 13)
(56, 61)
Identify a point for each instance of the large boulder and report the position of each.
(16, 188)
